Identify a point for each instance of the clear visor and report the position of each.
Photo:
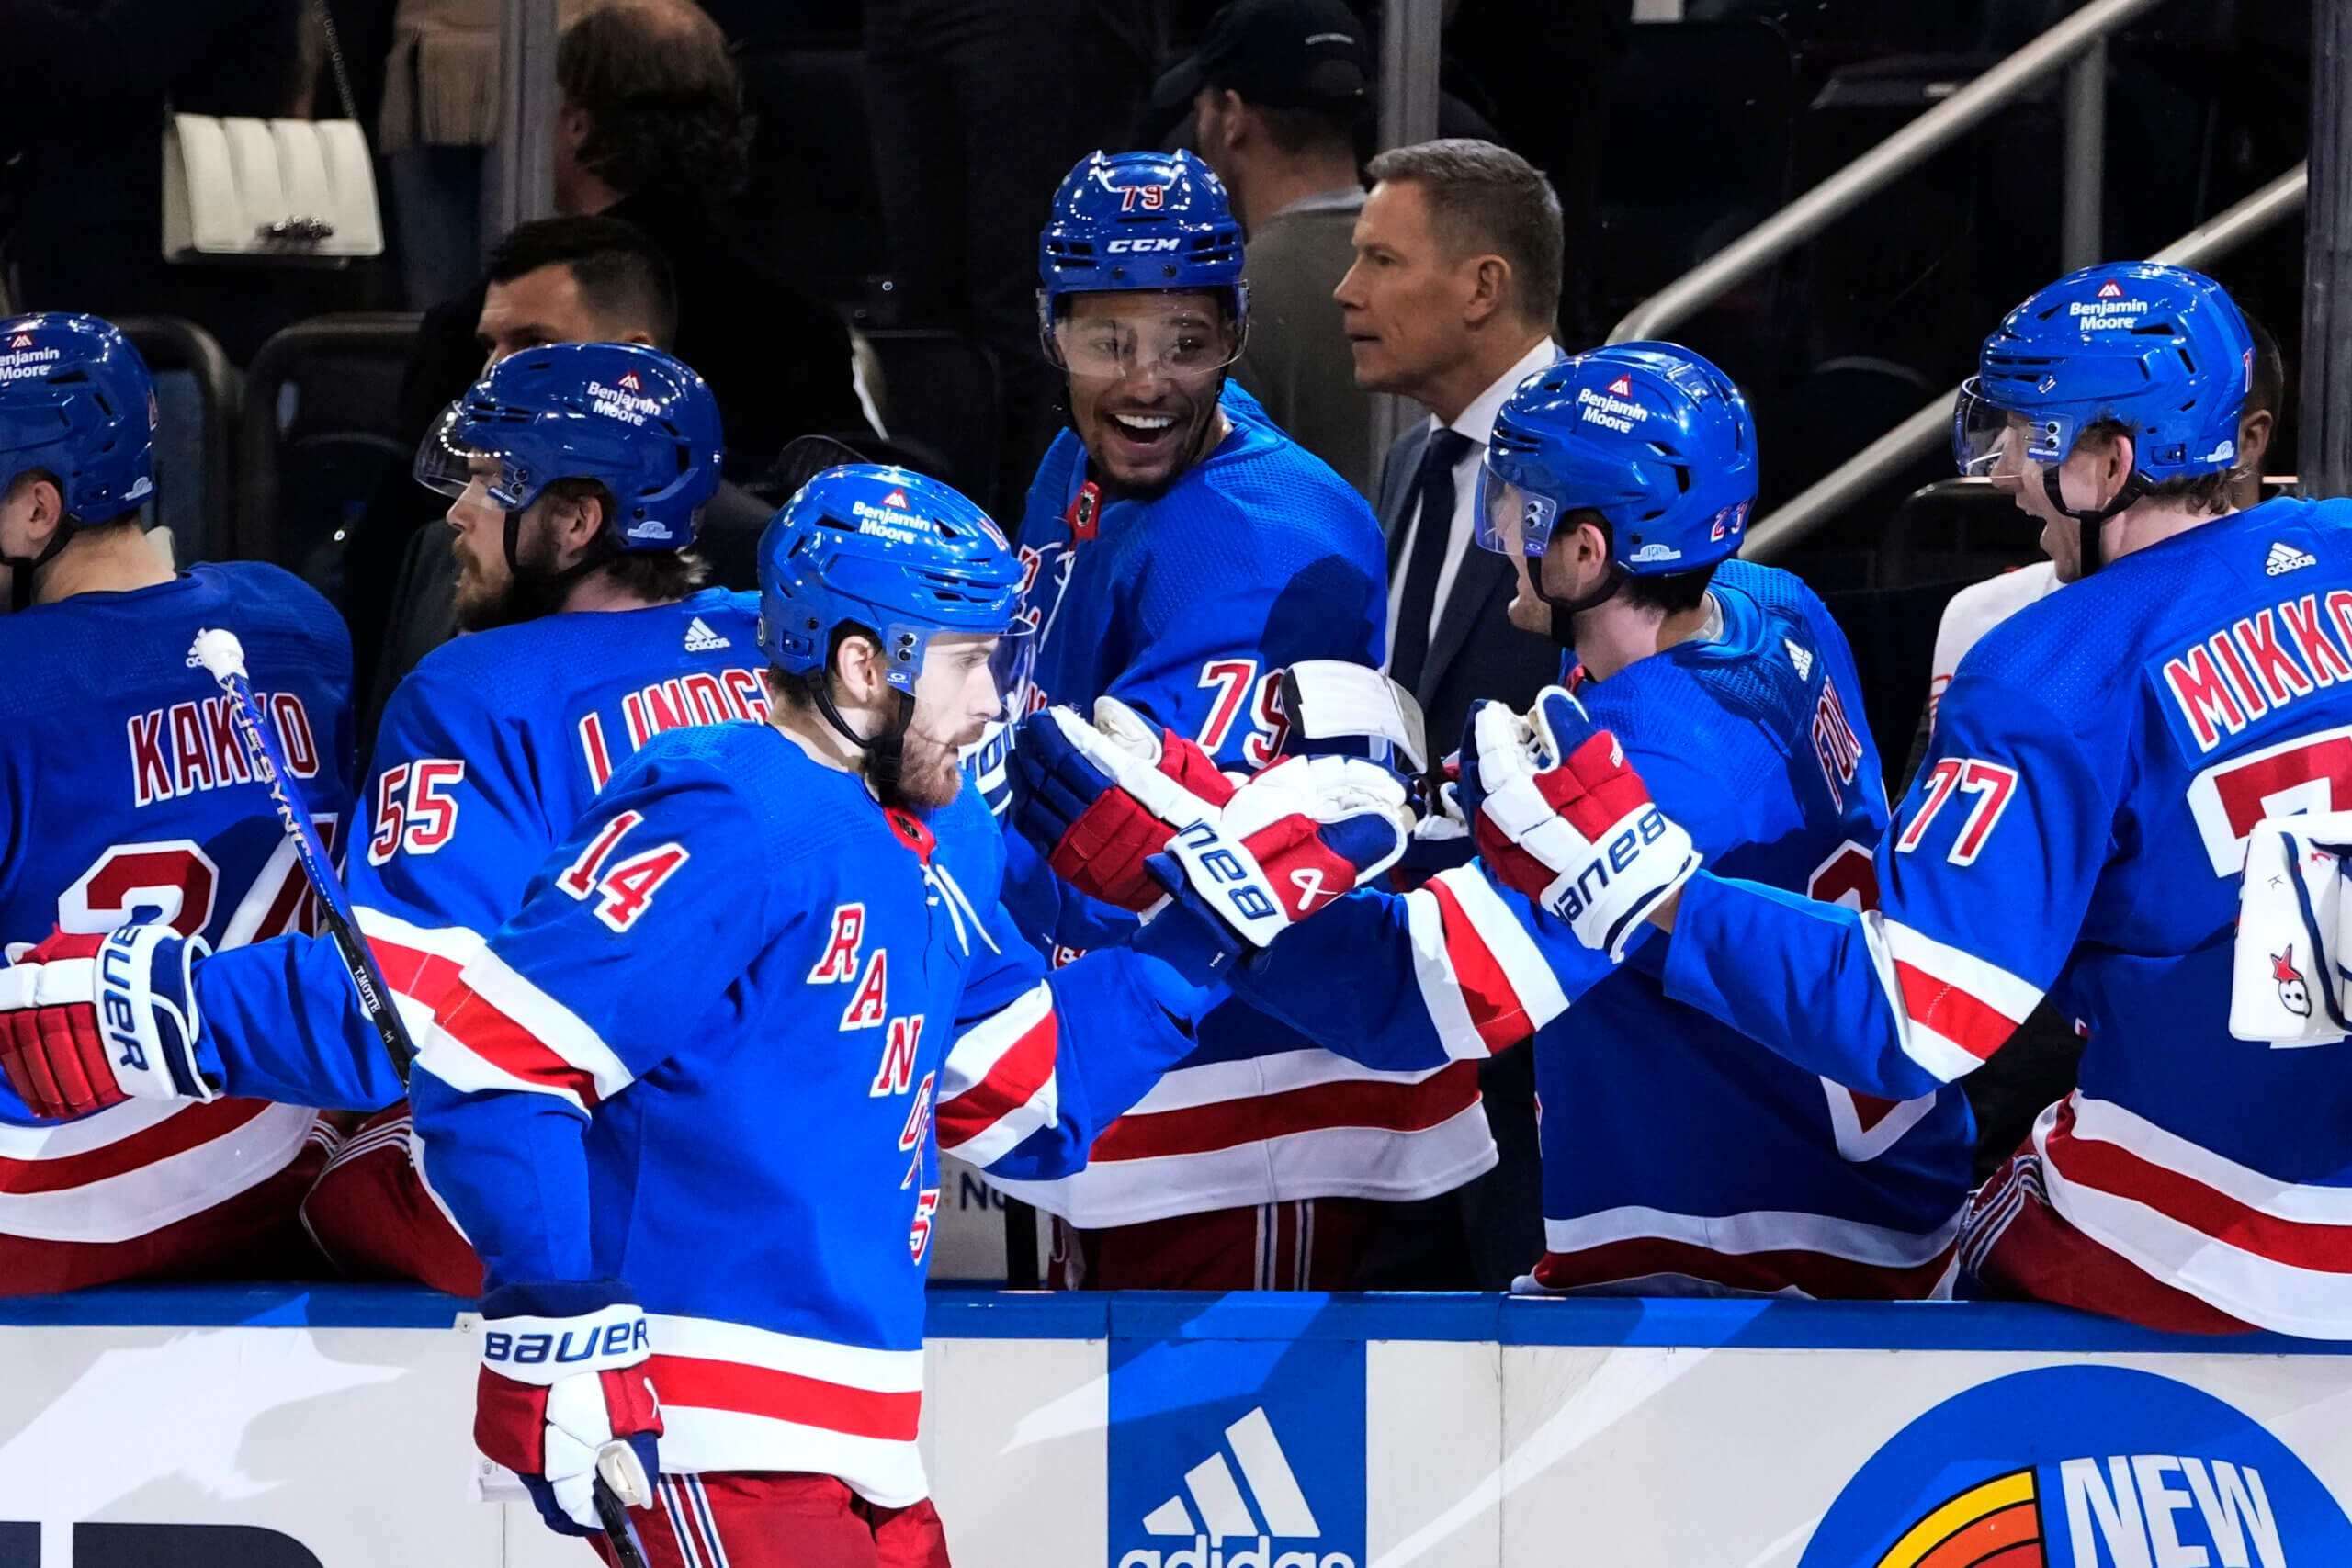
(1991, 442)
(1512, 520)
(448, 463)
(1182, 340)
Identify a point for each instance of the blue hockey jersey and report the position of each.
(2079, 829)
(1677, 1156)
(715, 1057)
(487, 754)
(124, 793)
(1188, 607)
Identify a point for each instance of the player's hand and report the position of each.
(1559, 816)
(1292, 841)
(562, 1380)
(1100, 800)
(89, 1022)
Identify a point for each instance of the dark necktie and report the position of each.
(1410, 637)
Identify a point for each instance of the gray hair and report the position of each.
(1488, 199)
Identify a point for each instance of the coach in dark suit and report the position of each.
(1451, 302)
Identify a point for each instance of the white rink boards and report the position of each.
(272, 1427)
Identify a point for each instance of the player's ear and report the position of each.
(35, 508)
(2255, 428)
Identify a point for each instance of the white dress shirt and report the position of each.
(1478, 423)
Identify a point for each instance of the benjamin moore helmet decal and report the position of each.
(2082, 1465)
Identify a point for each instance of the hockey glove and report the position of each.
(563, 1383)
(1559, 816)
(1290, 841)
(90, 1022)
(1099, 800)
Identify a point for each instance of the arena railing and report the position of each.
(1776, 534)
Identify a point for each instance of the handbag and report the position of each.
(287, 191)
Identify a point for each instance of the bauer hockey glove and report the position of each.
(1099, 800)
(1290, 841)
(1559, 816)
(90, 1022)
(563, 1381)
(2289, 985)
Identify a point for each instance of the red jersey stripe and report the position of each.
(1496, 1010)
(1387, 1107)
(505, 1044)
(1976, 1026)
(2113, 1169)
(690, 1381)
(1820, 1275)
(198, 1123)
(1013, 1080)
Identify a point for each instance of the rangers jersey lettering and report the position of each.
(2080, 831)
(735, 1101)
(125, 796)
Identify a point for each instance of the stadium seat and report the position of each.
(198, 397)
(320, 435)
(939, 390)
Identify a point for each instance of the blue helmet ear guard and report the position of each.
(76, 404)
(886, 549)
(1130, 221)
(631, 418)
(2160, 350)
(1651, 436)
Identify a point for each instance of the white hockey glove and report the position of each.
(1559, 816)
(89, 1022)
(2287, 981)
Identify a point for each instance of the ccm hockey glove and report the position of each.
(90, 1022)
(562, 1384)
(1099, 800)
(1559, 816)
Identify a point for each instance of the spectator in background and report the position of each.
(650, 130)
(1450, 302)
(440, 114)
(977, 107)
(1277, 90)
(556, 280)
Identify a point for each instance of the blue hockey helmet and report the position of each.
(2159, 349)
(76, 401)
(632, 418)
(1650, 435)
(1126, 222)
(888, 549)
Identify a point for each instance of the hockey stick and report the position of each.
(223, 658)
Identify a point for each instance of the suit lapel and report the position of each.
(1397, 478)
(1482, 585)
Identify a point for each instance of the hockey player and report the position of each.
(2081, 824)
(125, 796)
(1678, 1157)
(690, 1099)
(575, 471)
(1179, 552)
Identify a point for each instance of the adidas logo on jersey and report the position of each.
(1622, 388)
(2285, 557)
(1800, 655)
(1220, 1507)
(700, 638)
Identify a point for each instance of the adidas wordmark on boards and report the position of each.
(1220, 1511)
